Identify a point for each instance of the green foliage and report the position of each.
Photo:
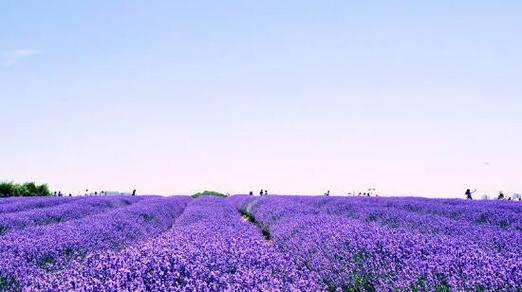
(147, 217)
(8, 284)
(11, 189)
(46, 262)
(208, 193)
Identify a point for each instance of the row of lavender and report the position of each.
(69, 209)
(396, 244)
(52, 236)
(17, 204)
(209, 248)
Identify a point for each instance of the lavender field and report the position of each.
(251, 243)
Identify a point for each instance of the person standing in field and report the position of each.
(266, 193)
(134, 192)
(261, 192)
(468, 194)
(500, 196)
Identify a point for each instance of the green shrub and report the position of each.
(208, 193)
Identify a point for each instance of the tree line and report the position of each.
(28, 189)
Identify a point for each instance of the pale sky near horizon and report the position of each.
(173, 97)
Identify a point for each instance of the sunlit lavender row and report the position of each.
(251, 243)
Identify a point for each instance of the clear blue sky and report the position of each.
(171, 97)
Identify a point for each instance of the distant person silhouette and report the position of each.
(500, 196)
(134, 192)
(468, 194)
(261, 192)
(327, 193)
(266, 193)
(251, 193)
